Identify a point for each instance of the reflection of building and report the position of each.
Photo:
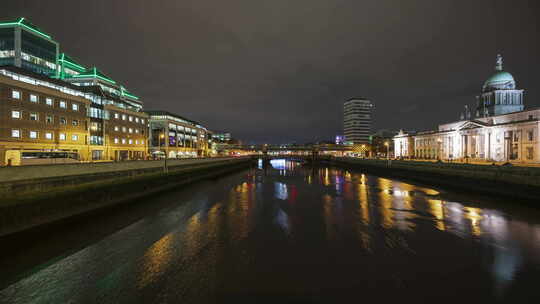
(357, 120)
(79, 109)
(178, 136)
(499, 131)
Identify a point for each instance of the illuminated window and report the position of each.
(15, 133)
(49, 101)
(15, 94)
(33, 134)
(33, 98)
(130, 141)
(16, 114)
(116, 140)
(34, 116)
(142, 120)
(137, 131)
(124, 129)
(62, 136)
(123, 116)
(48, 135)
(74, 137)
(123, 141)
(75, 107)
(116, 115)
(63, 121)
(116, 128)
(136, 141)
(136, 119)
(49, 119)
(130, 130)
(63, 104)
(130, 118)
(75, 122)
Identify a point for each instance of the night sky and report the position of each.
(278, 71)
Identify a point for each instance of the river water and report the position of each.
(285, 233)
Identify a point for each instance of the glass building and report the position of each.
(24, 45)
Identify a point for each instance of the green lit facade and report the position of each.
(24, 45)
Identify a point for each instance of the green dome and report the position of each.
(500, 80)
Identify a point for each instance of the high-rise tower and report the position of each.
(357, 120)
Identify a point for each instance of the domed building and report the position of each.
(499, 94)
(501, 131)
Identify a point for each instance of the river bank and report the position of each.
(520, 183)
(29, 203)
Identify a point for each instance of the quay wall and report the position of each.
(513, 182)
(52, 195)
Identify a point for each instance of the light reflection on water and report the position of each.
(289, 229)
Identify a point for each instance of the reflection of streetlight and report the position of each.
(162, 135)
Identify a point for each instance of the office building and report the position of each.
(357, 120)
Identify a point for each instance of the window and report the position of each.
(75, 122)
(48, 135)
(130, 130)
(142, 120)
(123, 116)
(74, 137)
(116, 140)
(116, 115)
(15, 133)
(131, 141)
(33, 98)
(530, 153)
(124, 129)
(33, 134)
(62, 136)
(137, 131)
(530, 135)
(63, 121)
(49, 101)
(75, 107)
(49, 119)
(15, 95)
(16, 114)
(116, 128)
(137, 119)
(137, 142)
(123, 141)
(130, 118)
(62, 104)
(34, 116)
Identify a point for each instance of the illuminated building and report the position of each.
(113, 126)
(500, 130)
(177, 136)
(357, 120)
(222, 137)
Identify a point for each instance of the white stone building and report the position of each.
(500, 131)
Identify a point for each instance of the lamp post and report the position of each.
(162, 135)
(364, 150)
(439, 142)
(387, 150)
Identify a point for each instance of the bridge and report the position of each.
(308, 153)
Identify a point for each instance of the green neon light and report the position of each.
(129, 95)
(62, 59)
(19, 23)
(94, 75)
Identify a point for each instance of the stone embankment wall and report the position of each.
(36, 195)
(521, 183)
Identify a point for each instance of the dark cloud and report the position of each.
(279, 71)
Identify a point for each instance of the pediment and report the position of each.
(471, 124)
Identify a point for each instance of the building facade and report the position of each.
(177, 137)
(357, 120)
(499, 131)
(31, 63)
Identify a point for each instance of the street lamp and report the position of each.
(387, 150)
(162, 135)
(364, 150)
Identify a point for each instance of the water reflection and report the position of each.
(292, 229)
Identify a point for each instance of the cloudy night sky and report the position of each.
(278, 71)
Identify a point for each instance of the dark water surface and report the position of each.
(287, 234)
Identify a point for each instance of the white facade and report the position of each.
(509, 137)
